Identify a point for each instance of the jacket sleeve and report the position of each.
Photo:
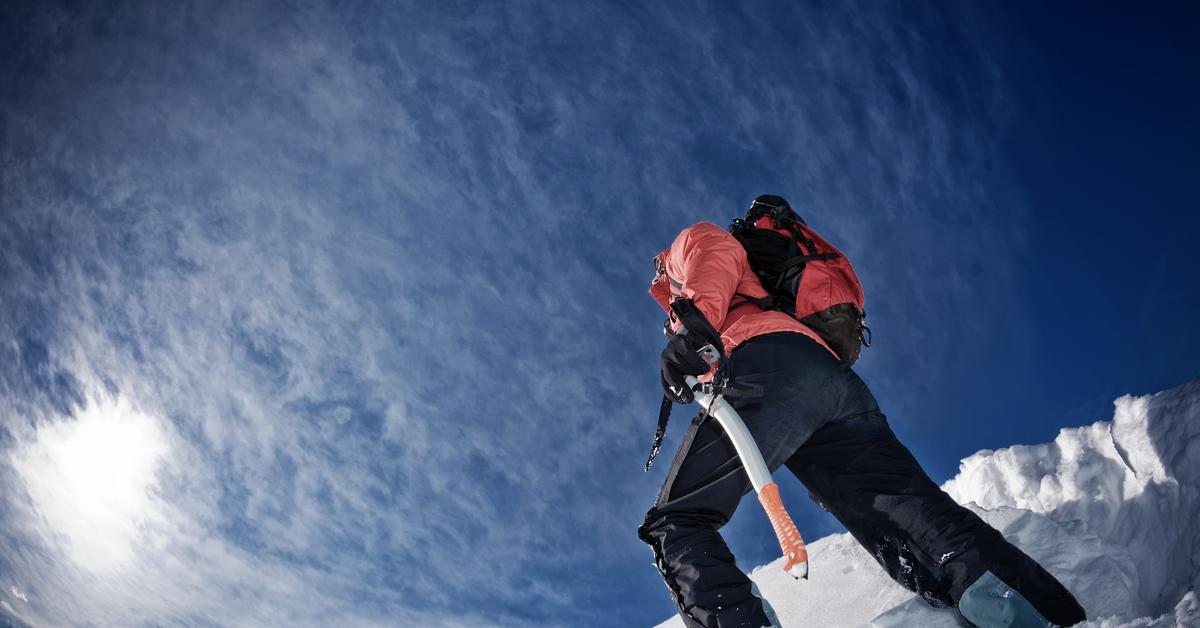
(705, 264)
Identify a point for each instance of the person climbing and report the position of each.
(784, 310)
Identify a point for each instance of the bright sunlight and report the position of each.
(91, 476)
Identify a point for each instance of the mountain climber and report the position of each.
(746, 293)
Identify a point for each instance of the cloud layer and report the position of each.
(375, 279)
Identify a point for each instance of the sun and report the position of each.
(90, 477)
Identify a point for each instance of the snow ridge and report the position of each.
(1133, 483)
(1109, 508)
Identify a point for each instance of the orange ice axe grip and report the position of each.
(795, 556)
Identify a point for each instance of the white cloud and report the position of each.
(17, 593)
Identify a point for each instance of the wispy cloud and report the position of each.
(377, 279)
(17, 593)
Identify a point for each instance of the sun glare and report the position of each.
(90, 478)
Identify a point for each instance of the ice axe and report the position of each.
(795, 556)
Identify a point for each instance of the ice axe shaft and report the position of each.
(795, 556)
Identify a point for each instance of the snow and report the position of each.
(1110, 509)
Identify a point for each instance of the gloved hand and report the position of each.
(679, 359)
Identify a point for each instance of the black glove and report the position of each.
(680, 359)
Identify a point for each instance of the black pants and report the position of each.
(820, 419)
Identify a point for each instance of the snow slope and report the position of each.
(1112, 509)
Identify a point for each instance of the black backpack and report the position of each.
(804, 276)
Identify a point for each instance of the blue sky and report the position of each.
(338, 314)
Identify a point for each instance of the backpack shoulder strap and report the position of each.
(807, 244)
(766, 303)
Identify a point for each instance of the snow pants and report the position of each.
(819, 419)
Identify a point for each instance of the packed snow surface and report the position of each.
(1111, 509)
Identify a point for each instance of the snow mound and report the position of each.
(1111, 509)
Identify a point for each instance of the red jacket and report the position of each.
(709, 266)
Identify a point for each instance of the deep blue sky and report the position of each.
(345, 306)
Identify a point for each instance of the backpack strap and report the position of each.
(803, 249)
(800, 242)
(810, 246)
(766, 303)
(801, 259)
